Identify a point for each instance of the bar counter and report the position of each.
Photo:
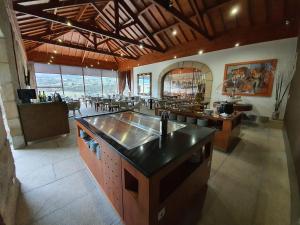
(149, 179)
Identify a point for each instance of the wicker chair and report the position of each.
(74, 105)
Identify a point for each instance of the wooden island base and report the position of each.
(173, 195)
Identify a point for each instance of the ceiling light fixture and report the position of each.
(54, 51)
(171, 3)
(287, 22)
(237, 45)
(52, 57)
(59, 40)
(200, 52)
(141, 46)
(49, 63)
(234, 11)
(92, 65)
(122, 54)
(174, 32)
(98, 63)
(69, 23)
(175, 57)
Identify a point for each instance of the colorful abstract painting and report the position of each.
(253, 78)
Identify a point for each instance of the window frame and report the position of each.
(138, 83)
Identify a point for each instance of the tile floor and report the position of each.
(248, 186)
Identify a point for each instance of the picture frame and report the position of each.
(252, 78)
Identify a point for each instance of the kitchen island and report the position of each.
(149, 179)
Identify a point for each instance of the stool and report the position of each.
(191, 120)
(181, 118)
(202, 122)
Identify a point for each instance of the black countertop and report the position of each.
(150, 157)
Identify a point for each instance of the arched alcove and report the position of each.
(203, 68)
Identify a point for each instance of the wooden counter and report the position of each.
(156, 183)
(43, 120)
(227, 129)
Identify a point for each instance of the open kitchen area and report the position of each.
(151, 112)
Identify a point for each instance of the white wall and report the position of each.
(284, 50)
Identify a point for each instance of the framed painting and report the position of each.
(253, 78)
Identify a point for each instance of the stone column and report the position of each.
(9, 185)
(9, 79)
(8, 87)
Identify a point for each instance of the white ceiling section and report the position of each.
(73, 70)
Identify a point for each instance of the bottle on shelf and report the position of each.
(44, 97)
(40, 96)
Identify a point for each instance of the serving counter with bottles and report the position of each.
(227, 128)
(43, 120)
(149, 179)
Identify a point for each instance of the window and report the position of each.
(110, 82)
(73, 86)
(75, 82)
(93, 86)
(144, 84)
(49, 83)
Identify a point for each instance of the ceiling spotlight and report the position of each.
(86, 67)
(59, 40)
(175, 57)
(234, 11)
(200, 52)
(122, 54)
(171, 3)
(52, 57)
(141, 46)
(237, 44)
(174, 32)
(49, 63)
(98, 63)
(69, 23)
(92, 65)
(55, 51)
(287, 22)
(106, 60)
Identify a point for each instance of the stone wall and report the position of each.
(10, 79)
(9, 185)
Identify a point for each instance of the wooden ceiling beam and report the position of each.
(127, 24)
(182, 18)
(55, 34)
(70, 45)
(117, 22)
(137, 20)
(81, 26)
(43, 57)
(81, 12)
(57, 4)
(87, 37)
(198, 14)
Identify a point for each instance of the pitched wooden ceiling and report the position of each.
(115, 31)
